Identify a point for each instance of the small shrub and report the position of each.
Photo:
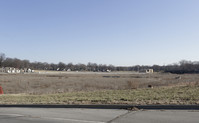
(132, 84)
(197, 83)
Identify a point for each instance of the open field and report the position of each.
(162, 95)
(99, 88)
(58, 82)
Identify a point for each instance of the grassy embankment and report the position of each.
(162, 95)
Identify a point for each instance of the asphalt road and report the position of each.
(67, 115)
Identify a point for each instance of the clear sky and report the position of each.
(118, 32)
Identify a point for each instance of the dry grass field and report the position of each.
(52, 82)
(99, 88)
(177, 95)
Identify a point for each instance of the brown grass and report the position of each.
(50, 83)
(177, 95)
(132, 84)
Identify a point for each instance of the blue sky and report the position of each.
(118, 32)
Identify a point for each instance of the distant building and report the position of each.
(108, 70)
(15, 70)
(9, 70)
(69, 70)
(2, 70)
(149, 71)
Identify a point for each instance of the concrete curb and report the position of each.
(146, 107)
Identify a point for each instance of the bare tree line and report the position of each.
(17, 63)
(179, 68)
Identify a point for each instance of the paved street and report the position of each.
(67, 115)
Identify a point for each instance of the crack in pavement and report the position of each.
(121, 116)
(12, 115)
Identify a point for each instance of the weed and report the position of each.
(132, 84)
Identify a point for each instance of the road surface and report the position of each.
(67, 115)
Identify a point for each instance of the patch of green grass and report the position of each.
(163, 95)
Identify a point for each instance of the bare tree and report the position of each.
(61, 66)
(2, 58)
